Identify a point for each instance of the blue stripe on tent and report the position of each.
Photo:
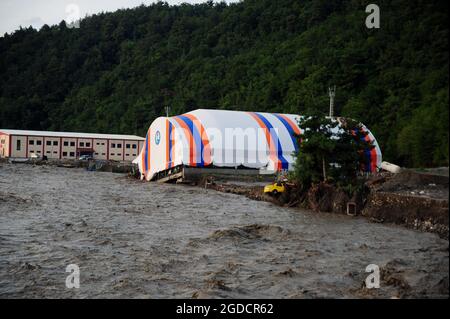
(197, 138)
(146, 153)
(284, 163)
(290, 130)
(368, 166)
(170, 144)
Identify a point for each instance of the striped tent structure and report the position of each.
(220, 138)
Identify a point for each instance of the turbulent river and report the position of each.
(146, 240)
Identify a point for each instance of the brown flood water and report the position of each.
(147, 240)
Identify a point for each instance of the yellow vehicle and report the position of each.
(274, 188)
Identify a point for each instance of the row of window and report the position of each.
(39, 152)
(87, 144)
(82, 144)
(72, 154)
(55, 143)
(67, 143)
(120, 154)
(49, 143)
(133, 146)
(38, 142)
(72, 144)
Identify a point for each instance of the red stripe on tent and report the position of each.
(172, 140)
(204, 137)
(167, 144)
(373, 153)
(270, 143)
(291, 123)
(143, 159)
(190, 138)
(374, 157)
(148, 151)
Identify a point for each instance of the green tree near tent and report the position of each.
(330, 152)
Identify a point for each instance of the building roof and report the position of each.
(72, 135)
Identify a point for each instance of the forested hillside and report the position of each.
(118, 70)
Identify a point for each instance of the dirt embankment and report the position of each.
(252, 192)
(416, 200)
(413, 199)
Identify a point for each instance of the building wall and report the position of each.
(101, 149)
(18, 146)
(85, 142)
(4, 145)
(66, 148)
(69, 148)
(131, 150)
(36, 145)
(52, 147)
(116, 149)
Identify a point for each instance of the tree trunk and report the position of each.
(324, 169)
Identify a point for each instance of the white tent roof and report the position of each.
(225, 139)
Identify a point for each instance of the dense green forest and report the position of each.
(117, 71)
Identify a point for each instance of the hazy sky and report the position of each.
(16, 13)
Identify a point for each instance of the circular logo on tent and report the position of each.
(157, 137)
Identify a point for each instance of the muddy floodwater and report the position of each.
(146, 240)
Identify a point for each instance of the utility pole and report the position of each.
(167, 108)
(332, 93)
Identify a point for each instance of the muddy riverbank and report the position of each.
(417, 200)
(148, 240)
(92, 165)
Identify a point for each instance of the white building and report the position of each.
(66, 145)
